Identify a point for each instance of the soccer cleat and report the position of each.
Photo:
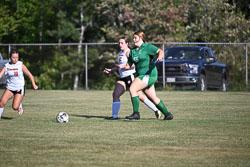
(134, 116)
(112, 118)
(168, 117)
(20, 110)
(157, 114)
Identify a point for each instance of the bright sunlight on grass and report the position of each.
(208, 129)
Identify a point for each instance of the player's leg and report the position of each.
(148, 103)
(150, 92)
(4, 99)
(17, 103)
(120, 88)
(135, 87)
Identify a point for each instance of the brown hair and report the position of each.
(13, 51)
(141, 35)
(126, 40)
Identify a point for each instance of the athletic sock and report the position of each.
(115, 109)
(135, 102)
(162, 108)
(150, 105)
(1, 111)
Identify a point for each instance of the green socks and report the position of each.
(135, 102)
(162, 108)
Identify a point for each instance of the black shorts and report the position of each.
(20, 91)
(128, 80)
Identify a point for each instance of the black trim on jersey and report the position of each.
(18, 91)
(128, 80)
(151, 60)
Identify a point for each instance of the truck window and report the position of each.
(182, 54)
(207, 55)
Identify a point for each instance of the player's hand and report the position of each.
(159, 59)
(35, 87)
(107, 70)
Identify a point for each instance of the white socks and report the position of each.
(150, 105)
(1, 111)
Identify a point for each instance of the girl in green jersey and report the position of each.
(125, 80)
(142, 57)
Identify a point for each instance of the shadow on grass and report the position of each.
(89, 116)
(7, 118)
(108, 117)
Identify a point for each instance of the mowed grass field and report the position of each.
(209, 129)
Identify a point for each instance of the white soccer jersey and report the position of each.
(14, 76)
(123, 59)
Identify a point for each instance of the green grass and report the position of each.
(209, 129)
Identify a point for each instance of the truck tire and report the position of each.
(223, 86)
(202, 84)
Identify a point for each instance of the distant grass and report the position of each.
(209, 129)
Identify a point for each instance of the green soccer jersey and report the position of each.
(143, 59)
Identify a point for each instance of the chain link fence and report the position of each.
(74, 66)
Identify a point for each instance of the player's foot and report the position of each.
(134, 116)
(112, 118)
(20, 110)
(158, 114)
(168, 117)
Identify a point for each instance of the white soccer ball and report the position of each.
(62, 117)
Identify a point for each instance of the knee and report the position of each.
(116, 97)
(2, 104)
(15, 107)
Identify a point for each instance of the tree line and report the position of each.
(78, 21)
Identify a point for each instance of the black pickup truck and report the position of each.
(192, 68)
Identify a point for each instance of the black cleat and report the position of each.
(112, 118)
(169, 117)
(134, 116)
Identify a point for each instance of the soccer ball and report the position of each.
(62, 117)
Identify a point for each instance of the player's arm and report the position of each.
(160, 55)
(126, 66)
(2, 71)
(28, 73)
(127, 53)
(108, 70)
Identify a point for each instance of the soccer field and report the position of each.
(209, 129)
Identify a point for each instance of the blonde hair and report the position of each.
(141, 35)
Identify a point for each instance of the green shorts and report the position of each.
(149, 79)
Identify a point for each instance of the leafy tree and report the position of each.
(33, 21)
(206, 22)
(161, 20)
(65, 30)
(242, 6)
(8, 21)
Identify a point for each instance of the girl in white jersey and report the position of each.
(15, 82)
(126, 78)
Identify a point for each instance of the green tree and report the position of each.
(8, 19)
(161, 20)
(215, 21)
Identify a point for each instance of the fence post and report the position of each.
(246, 65)
(163, 68)
(9, 50)
(86, 67)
